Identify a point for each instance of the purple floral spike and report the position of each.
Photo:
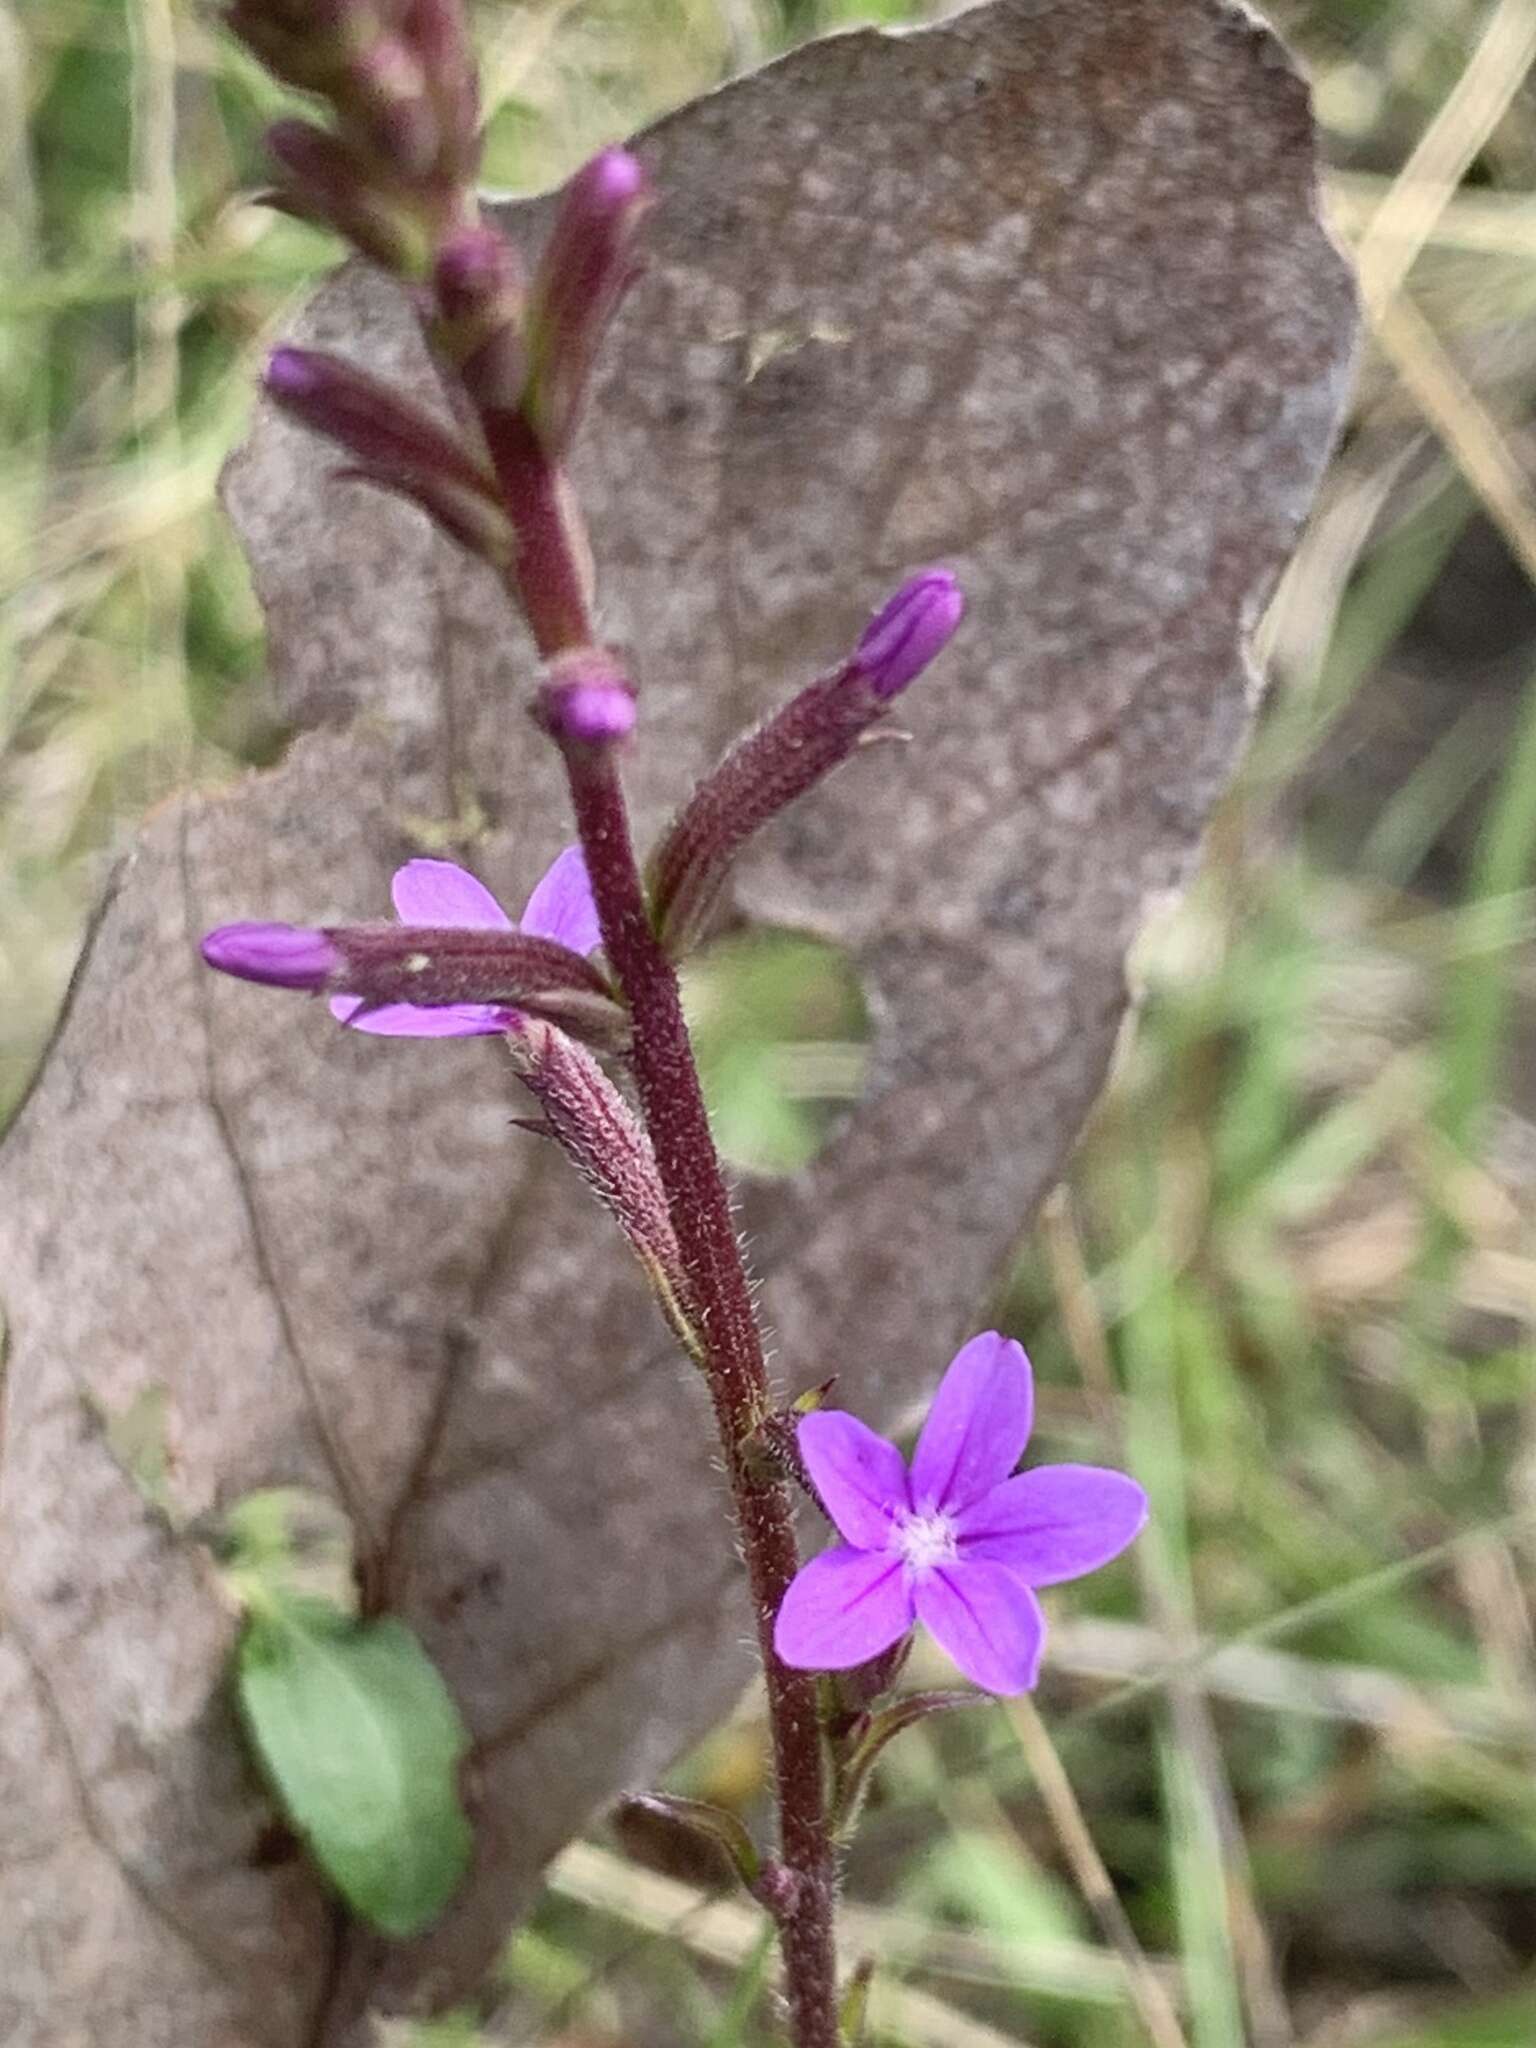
(436, 893)
(960, 1540)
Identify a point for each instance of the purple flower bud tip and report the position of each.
(473, 257)
(291, 373)
(593, 712)
(909, 631)
(612, 178)
(280, 955)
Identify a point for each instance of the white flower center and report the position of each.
(922, 1541)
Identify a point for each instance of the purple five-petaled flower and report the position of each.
(957, 1542)
(436, 892)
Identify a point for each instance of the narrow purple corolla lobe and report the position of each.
(841, 1609)
(987, 1621)
(1070, 1518)
(978, 1424)
(909, 631)
(959, 1541)
(860, 1478)
(280, 955)
(441, 893)
(561, 906)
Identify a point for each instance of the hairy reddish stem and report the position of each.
(673, 1106)
(548, 573)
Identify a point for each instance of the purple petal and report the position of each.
(977, 1427)
(436, 892)
(281, 955)
(988, 1621)
(841, 1609)
(861, 1478)
(416, 1020)
(561, 905)
(1054, 1523)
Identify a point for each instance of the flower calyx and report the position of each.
(795, 749)
(600, 1134)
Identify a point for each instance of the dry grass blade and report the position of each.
(1152, 2001)
(727, 1931)
(1470, 112)
(1461, 420)
(1199, 1752)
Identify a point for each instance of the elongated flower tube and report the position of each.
(468, 972)
(277, 955)
(794, 750)
(369, 419)
(588, 265)
(399, 448)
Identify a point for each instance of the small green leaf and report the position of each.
(362, 1742)
(290, 1545)
(137, 1438)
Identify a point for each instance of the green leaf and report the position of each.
(362, 1742)
(287, 1545)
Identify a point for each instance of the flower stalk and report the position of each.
(672, 1103)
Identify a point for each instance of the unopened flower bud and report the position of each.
(385, 98)
(908, 631)
(368, 419)
(587, 266)
(599, 1132)
(280, 955)
(438, 35)
(324, 183)
(793, 750)
(585, 698)
(481, 295)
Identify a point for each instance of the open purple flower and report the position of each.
(957, 1542)
(437, 893)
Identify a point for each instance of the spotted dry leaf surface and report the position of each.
(1040, 294)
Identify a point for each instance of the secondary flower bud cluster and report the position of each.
(398, 169)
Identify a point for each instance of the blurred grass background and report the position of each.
(1286, 1792)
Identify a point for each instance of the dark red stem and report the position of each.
(550, 584)
(673, 1106)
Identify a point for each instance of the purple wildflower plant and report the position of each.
(958, 1541)
(437, 893)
